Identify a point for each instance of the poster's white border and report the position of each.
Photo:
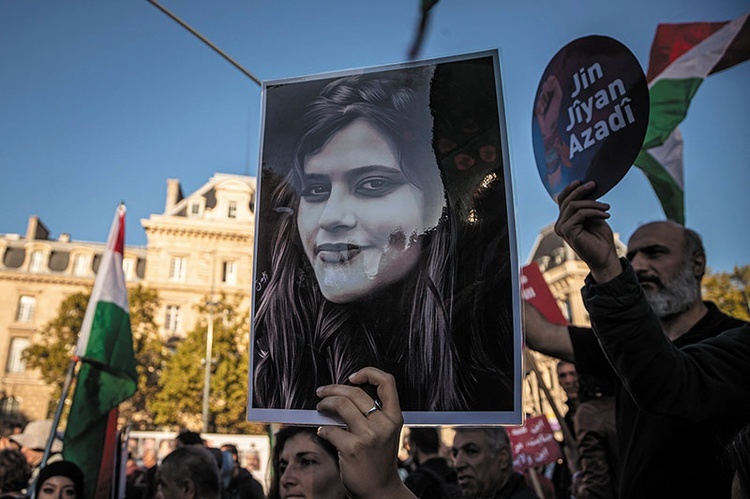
(411, 418)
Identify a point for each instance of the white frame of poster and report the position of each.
(277, 160)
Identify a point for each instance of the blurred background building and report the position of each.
(201, 244)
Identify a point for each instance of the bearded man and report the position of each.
(663, 454)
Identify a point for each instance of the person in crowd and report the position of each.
(60, 480)
(8, 429)
(32, 442)
(596, 438)
(682, 365)
(150, 460)
(567, 376)
(224, 461)
(369, 263)
(562, 478)
(434, 476)
(135, 479)
(15, 473)
(304, 465)
(189, 472)
(242, 484)
(186, 438)
(484, 464)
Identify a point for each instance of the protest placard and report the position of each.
(533, 444)
(590, 114)
(385, 236)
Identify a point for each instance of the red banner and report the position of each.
(535, 290)
(533, 444)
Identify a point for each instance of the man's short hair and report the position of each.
(693, 243)
(197, 464)
(425, 439)
(186, 437)
(693, 247)
(232, 449)
(497, 437)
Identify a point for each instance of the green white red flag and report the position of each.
(682, 56)
(107, 375)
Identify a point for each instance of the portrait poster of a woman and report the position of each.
(385, 237)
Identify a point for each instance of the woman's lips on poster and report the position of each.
(337, 252)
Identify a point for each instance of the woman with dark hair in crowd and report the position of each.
(375, 258)
(304, 465)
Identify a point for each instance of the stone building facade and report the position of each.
(565, 274)
(200, 246)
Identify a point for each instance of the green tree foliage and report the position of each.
(151, 356)
(51, 354)
(179, 402)
(730, 291)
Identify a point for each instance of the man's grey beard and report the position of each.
(676, 295)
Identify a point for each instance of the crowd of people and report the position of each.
(658, 395)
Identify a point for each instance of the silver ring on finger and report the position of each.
(376, 406)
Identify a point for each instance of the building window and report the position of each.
(177, 269)
(127, 268)
(36, 263)
(195, 209)
(229, 273)
(232, 212)
(10, 407)
(80, 265)
(16, 364)
(567, 310)
(172, 318)
(25, 310)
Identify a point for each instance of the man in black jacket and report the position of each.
(434, 476)
(684, 386)
(243, 485)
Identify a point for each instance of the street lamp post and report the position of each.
(209, 355)
(209, 346)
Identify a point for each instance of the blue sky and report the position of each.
(103, 101)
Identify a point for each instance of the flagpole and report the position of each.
(58, 411)
(209, 345)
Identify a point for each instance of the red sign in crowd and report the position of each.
(533, 444)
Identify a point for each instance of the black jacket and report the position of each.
(678, 402)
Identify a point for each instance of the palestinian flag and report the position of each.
(107, 375)
(682, 56)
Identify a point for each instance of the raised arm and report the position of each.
(582, 223)
(706, 380)
(546, 337)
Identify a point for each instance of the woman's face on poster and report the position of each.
(359, 215)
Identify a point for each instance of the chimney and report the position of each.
(174, 194)
(64, 237)
(36, 229)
